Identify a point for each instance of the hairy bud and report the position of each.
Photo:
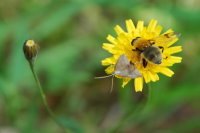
(30, 49)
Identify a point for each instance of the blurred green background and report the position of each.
(70, 34)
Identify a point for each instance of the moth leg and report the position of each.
(161, 48)
(144, 62)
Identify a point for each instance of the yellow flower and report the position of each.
(130, 42)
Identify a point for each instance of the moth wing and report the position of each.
(134, 73)
(130, 73)
(125, 69)
(122, 62)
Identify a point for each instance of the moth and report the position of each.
(123, 68)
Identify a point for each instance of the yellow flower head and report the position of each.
(148, 52)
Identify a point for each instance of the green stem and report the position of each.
(44, 97)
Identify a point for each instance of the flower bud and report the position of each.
(30, 49)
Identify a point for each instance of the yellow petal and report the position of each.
(158, 30)
(172, 42)
(110, 69)
(151, 25)
(111, 39)
(130, 26)
(125, 81)
(174, 59)
(168, 31)
(109, 47)
(154, 77)
(118, 30)
(146, 76)
(166, 71)
(166, 63)
(173, 38)
(122, 39)
(138, 84)
(171, 60)
(173, 50)
(108, 61)
(140, 26)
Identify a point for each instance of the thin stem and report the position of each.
(44, 97)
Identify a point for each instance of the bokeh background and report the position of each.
(70, 34)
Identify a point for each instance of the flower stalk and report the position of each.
(30, 51)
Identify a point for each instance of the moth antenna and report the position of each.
(103, 76)
(111, 89)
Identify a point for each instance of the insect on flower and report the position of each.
(148, 49)
(141, 53)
